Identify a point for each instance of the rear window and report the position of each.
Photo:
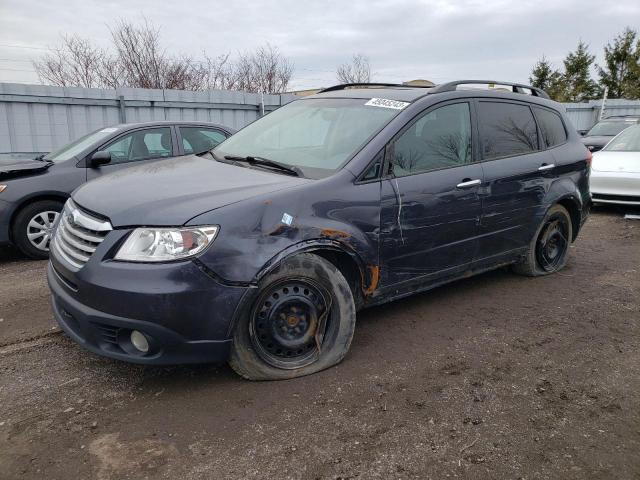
(552, 130)
(506, 129)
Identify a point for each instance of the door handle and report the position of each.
(544, 167)
(469, 183)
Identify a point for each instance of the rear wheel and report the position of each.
(300, 321)
(549, 249)
(33, 227)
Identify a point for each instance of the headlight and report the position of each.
(166, 244)
(2, 188)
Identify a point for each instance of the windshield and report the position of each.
(627, 141)
(316, 135)
(76, 147)
(608, 129)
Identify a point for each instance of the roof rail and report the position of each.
(516, 87)
(344, 86)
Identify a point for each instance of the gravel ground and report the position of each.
(496, 376)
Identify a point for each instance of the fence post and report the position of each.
(123, 112)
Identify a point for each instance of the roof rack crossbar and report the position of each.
(344, 86)
(516, 87)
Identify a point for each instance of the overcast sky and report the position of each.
(436, 40)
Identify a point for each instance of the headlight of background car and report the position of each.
(166, 244)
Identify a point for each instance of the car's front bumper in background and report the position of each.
(6, 209)
(184, 314)
(615, 187)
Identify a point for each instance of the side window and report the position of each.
(552, 129)
(199, 140)
(439, 139)
(141, 145)
(373, 172)
(506, 129)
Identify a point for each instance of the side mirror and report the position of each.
(101, 157)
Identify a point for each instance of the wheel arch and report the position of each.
(571, 204)
(362, 278)
(26, 201)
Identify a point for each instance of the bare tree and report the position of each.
(357, 71)
(265, 70)
(139, 60)
(75, 63)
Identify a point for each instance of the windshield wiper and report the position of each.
(289, 169)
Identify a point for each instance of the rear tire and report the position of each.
(549, 248)
(300, 321)
(33, 227)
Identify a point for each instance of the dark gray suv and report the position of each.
(32, 192)
(261, 252)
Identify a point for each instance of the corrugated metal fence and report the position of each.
(41, 118)
(585, 115)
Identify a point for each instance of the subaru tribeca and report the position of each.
(260, 252)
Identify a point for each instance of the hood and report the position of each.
(612, 161)
(171, 192)
(12, 167)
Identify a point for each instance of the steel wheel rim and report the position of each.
(288, 323)
(40, 229)
(553, 243)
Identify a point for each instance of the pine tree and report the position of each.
(577, 75)
(621, 72)
(541, 74)
(550, 80)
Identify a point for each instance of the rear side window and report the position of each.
(506, 129)
(199, 139)
(552, 130)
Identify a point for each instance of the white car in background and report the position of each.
(615, 170)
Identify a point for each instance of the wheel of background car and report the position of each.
(300, 321)
(549, 248)
(33, 226)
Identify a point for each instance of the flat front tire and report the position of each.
(299, 321)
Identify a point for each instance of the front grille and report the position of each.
(78, 235)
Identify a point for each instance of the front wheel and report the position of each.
(300, 321)
(33, 227)
(549, 248)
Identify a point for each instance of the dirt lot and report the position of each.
(497, 376)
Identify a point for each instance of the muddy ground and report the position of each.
(496, 376)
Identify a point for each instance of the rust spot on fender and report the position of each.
(332, 233)
(374, 273)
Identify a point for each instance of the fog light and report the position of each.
(139, 341)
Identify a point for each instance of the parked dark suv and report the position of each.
(262, 253)
(32, 192)
(604, 131)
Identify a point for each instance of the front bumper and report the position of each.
(184, 314)
(6, 209)
(615, 187)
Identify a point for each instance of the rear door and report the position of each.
(134, 148)
(430, 207)
(517, 175)
(197, 140)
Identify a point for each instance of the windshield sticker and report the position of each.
(287, 219)
(386, 103)
(108, 130)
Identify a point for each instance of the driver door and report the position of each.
(135, 148)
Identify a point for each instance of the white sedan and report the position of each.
(615, 170)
